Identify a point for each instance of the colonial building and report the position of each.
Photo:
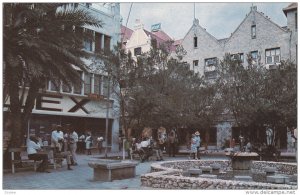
(84, 107)
(257, 35)
(140, 40)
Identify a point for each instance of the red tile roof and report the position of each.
(153, 36)
(161, 34)
(126, 33)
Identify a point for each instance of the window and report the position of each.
(78, 87)
(106, 43)
(88, 42)
(195, 42)
(54, 85)
(254, 57)
(87, 83)
(210, 64)
(88, 45)
(66, 88)
(105, 86)
(98, 41)
(195, 62)
(238, 56)
(253, 31)
(272, 56)
(137, 51)
(97, 84)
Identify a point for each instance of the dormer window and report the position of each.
(253, 31)
(195, 42)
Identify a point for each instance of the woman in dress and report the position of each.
(193, 147)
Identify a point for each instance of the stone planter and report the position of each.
(112, 170)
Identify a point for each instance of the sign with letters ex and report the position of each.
(155, 27)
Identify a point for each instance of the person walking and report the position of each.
(33, 147)
(172, 144)
(88, 143)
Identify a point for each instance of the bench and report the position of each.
(24, 158)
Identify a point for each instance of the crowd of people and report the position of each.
(146, 146)
(64, 144)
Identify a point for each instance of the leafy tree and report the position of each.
(257, 97)
(41, 41)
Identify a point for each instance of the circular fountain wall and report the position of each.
(169, 175)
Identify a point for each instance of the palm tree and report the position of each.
(41, 41)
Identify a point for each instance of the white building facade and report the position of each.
(83, 106)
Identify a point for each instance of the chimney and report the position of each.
(138, 25)
(253, 8)
(196, 21)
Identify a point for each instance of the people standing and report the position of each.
(81, 144)
(198, 143)
(99, 144)
(158, 151)
(73, 139)
(57, 140)
(172, 144)
(193, 151)
(33, 147)
(162, 137)
(57, 137)
(88, 143)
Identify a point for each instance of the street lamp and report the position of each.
(107, 115)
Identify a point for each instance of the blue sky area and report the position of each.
(219, 19)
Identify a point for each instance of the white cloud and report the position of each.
(220, 19)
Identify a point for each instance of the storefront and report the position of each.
(82, 113)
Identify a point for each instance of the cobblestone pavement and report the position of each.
(79, 178)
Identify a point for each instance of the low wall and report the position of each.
(182, 165)
(167, 175)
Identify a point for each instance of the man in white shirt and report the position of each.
(32, 150)
(57, 139)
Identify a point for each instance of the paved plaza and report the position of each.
(79, 178)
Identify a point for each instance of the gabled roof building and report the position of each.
(258, 36)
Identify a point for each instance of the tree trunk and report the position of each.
(15, 108)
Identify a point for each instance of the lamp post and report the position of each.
(107, 115)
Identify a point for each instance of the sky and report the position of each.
(219, 19)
